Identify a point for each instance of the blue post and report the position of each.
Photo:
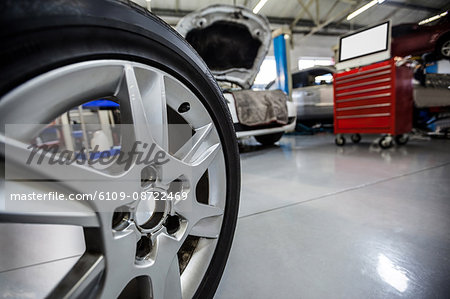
(279, 49)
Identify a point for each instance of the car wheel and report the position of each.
(269, 139)
(443, 48)
(56, 57)
(356, 138)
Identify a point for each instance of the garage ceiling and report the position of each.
(301, 15)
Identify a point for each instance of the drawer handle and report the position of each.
(364, 90)
(364, 72)
(364, 107)
(381, 95)
(365, 83)
(363, 77)
(363, 115)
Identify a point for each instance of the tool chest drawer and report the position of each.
(373, 99)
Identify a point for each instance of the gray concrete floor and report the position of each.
(316, 221)
(319, 221)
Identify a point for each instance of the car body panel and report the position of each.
(314, 102)
(415, 39)
(232, 40)
(261, 131)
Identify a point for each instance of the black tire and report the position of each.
(385, 143)
(401, 139)
(269, 139)
(339, 140)
(38, 36)
(447, 134)
(356, 138)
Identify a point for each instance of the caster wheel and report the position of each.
(356, 138)
(401, 139)
(340, 140)
(386, 142)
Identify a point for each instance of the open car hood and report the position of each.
(232, 40)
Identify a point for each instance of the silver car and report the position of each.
(312, 94)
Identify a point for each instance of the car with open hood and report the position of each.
(233, 41)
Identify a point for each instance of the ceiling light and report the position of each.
(433, 18)
(259, 6)
(363, 8)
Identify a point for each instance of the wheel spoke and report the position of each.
(144, 95)
(177, 93)
(204, 211)
(120, 253)
(191, 147)
(201, 164)
(173, 170)
(82, 279)
(63, 218)
(207, 228)
(204, 220)
(78, 178)
(67, 87)
(165, 272)
(173, 281)
(192, 171)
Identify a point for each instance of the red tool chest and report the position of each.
(373, 99)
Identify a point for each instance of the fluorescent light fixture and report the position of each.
(259, 6)
(433, 18)
(363, 8)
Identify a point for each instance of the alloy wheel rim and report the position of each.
(446, 49)
(113, 242)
